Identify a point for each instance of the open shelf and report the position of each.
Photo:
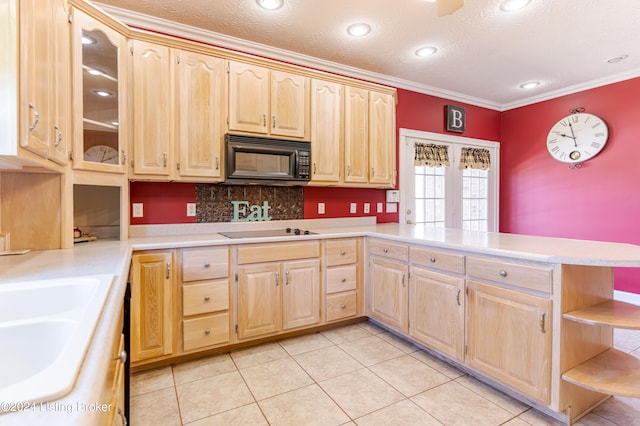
(612, 313)
(612, 372)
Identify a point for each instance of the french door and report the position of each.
(447, 196)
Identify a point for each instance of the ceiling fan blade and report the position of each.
(447, 7)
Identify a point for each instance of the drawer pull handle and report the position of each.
(207, 332)
(286, 278)
(458, 297)
(277, 278)
(386, 250)
(432, 260)
(503, 273)
(543, 317)
(342, 306)
(122, 356)
(342, 253)
(403, 284)
(168, 275)
(36, 118)
(207, 265)
(207, 298)
(344, 280)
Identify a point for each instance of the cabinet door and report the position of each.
(509, 338)
(248, 98)
(151, 306)
(201, 99)
(100, 64)
(356, 135)
(289, 104)
(382, 146)
(61, 77)
(389, 293)
(36, 58)
(259, 299)
(436, 311)
(152, 110)
(301, 293)
(326, 131)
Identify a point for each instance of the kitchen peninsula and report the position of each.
(501, 301)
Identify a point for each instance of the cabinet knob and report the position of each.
(342, 306)
(432, 260)
(342, 253)
(207, 332)
(344, 280)
(122, 356)
(207, 265)
(386, 250)
(207, 298)
(503, 273)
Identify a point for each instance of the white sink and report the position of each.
(45, 329)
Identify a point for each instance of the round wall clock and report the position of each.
(577, 137)
(101, 154)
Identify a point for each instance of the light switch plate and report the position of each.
(137, 210)
(367, 208)
(354, 208)
(191, 209)
(320, 208)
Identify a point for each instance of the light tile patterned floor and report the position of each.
(358, 374)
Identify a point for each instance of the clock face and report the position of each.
(101, 154)
(577, 137)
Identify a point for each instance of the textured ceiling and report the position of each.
(484, 54)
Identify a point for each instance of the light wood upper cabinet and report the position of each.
(45, 95)
(356, 135)
(436, 311)
(152, 110)
(100, 75)
(151, 305)
(326, 131)
(382, 147)
(267, 102)
(389, 295)
(200, 112)
(259, 299)
(509, 338)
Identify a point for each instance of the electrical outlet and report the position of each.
(380, 207)
(354, 208)
(191, 209)
(320, 208)
(367, 208)
(137, 209)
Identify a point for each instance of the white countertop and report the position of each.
(113, 257)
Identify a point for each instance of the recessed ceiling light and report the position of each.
(617, 59)
(359, 30)
(270, 4)
(102, 93)
(513, 5)
(87, 40)
(426, 51)
(530, 85)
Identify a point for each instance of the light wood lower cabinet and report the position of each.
(436, 311)
(152, 302)
(278, 296)
(343, 278)
(389, 293)
(509, 338)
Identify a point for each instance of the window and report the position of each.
(447, 196)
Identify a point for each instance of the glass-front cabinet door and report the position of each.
(99, 58)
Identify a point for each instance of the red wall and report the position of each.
(163, 202)
(540, 196)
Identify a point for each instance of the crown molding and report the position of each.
(165, 26)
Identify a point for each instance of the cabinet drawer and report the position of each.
(205, 264)
(341, 252)
(341, 278)
(207, 297)
(388, 249)
(436, 259)
(341, 305)
(205, 331)
(529, 277)
(258, 253)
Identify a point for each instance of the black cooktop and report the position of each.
(266, 233)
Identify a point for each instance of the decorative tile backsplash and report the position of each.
(213, 202)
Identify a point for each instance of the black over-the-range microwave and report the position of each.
(257, 160)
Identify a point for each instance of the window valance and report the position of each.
(431, 155)
(475, 158)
